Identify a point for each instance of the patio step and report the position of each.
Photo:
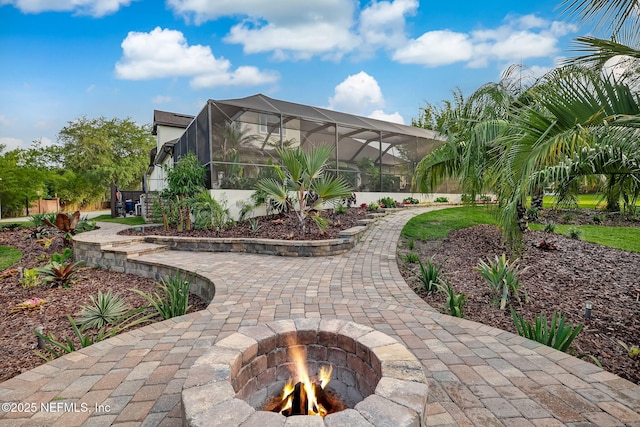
(136, 249)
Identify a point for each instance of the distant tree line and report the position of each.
(88, 156)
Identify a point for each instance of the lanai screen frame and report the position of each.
(374, 155)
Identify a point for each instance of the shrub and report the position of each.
(373, 206)
(502, 277)
(62, 257)
(387, 202)
(455, 302)
(567, 217)
(549, 227)
(411, 258)
(441, 200)
(575, 233)
(175, 301)
(558, 335)
(105, 309)
(532, 214)
(597, 219)
(339, 209)
(209, 213)
(411, 244)
(429, 276)
(411, 200)
(61, 274)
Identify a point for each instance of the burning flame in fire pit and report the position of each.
(305, 397)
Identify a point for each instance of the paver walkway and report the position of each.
(478, 375)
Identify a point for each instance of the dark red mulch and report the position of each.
(281, 226)
(561, 279)
(17, 342)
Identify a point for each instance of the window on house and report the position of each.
(270, 124)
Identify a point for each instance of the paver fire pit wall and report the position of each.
(379, 379)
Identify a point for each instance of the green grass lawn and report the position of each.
(586, 201)
(438, 224)
(130, 220)
(625, 238)
(8, 256)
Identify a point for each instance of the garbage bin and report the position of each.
(128, 204)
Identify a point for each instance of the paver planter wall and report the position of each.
(383, 382)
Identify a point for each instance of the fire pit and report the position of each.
(328, 372)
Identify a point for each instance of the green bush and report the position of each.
(105, 309)
(429, 276)
(175, 301)
(502, 278)
(558, 335)
(455, 302)
(575, 233)
(550, 227)
(411, 258)
(387, 202)
(441, 200)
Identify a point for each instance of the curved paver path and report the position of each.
(478, 375)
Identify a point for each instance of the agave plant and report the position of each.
(105, 309)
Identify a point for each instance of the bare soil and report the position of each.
(562, 278)
(17, 341)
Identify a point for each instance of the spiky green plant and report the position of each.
(502, 276)
(175, 299)
(105, 309)
(454, 302)
(575, 233)
(301, 174)
(558, 335)
(411, 258)
(429, 276)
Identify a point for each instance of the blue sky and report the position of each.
(64, 59)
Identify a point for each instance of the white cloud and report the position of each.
(357, 94)
(321, 27)
(161, 99)
(518, 39)
(436, 48)
(11, 143)
(382, 23)
(166, 53)
(96, 8)
(381, 115)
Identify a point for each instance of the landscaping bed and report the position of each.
(560, 279)
(17, 341)
(283, 226)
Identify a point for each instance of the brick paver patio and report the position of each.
(478, 375)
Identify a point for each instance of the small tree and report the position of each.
(185, 180)
(302, 184)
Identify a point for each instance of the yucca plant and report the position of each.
(558, 335)
(575, 233)
(57, 348)
(429, 276)
(502, 276)
(61, 274)
(455, 302)
(411, 258)
(175, 301)
(104, 310)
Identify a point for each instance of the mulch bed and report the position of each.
(561, 278)
(283, 226)
(17, 341)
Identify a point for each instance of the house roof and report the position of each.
(166, 118)
(356, 126)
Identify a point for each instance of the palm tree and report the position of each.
(473, 127)
(570, 110)
(302, 185)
